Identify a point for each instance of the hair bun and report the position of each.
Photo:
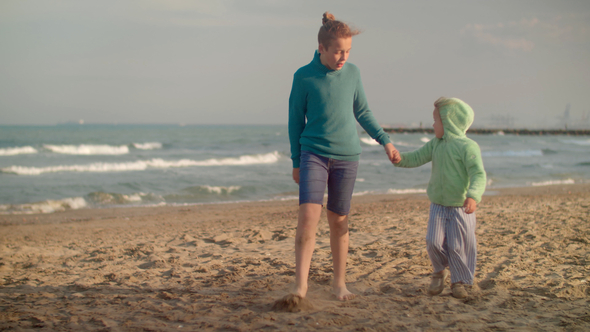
(328, 17)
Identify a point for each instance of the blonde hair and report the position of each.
(332, 29)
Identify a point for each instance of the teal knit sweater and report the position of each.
(457, 169)
(323, 106)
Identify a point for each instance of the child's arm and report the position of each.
(477, 177)
(417, 157)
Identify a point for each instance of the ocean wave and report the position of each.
(221, 190)
(267, 158)
(141, 165)
(576, 141)
(207, 193)
(208, 190)
(147, 145)
(553, 182)
(406, 191)
(88, 149)
(511, 153)
(18, 150)
(287, 198)
(102, 198)
(425, 139)
(369, 141)
(48, 206)
(372, 142)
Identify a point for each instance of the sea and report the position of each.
(47, 169)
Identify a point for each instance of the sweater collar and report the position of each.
(317, 62)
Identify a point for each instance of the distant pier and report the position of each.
(567, 132)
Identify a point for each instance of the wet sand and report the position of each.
(221, 267)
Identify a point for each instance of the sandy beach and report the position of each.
(220, 267)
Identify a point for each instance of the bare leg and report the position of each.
(309, 216)
(339, 245)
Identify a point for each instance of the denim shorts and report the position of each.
(317, 171)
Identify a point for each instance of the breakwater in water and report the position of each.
(567, 132)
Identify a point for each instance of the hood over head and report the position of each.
(456, 117)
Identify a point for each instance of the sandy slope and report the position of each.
(221, 267)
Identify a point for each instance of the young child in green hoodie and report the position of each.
(457, 182)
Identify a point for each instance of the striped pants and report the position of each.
(450, 241)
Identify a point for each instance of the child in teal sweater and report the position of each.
(457, 182)
(327, 100)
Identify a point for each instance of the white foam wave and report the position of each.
(268, 158)
(510, 153)
(102, 198)
(369, 141)
(425, 139)
(576, 141)
(372, 142)
(142, 165)
(48, 206)
(134, 197)
(553, 182)
(86, 149)
(19, 150)
(148, 145)
(406, 191)
(221, 190)
(288, 198)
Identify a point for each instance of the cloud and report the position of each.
(184, 13)
(569, 29)
(499, 35)
(218, 13)
(525, 34)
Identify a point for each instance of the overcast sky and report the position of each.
(232, 62)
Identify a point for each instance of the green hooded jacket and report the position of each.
(457, 168)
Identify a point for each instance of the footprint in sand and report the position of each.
(292, 303)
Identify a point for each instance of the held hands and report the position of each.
(392, 153)
(469, 205)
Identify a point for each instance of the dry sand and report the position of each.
(221, 267)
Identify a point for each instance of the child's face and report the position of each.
(439, 130)
(334, 57)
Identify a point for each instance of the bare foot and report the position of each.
(343, 294)
(301, 290)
